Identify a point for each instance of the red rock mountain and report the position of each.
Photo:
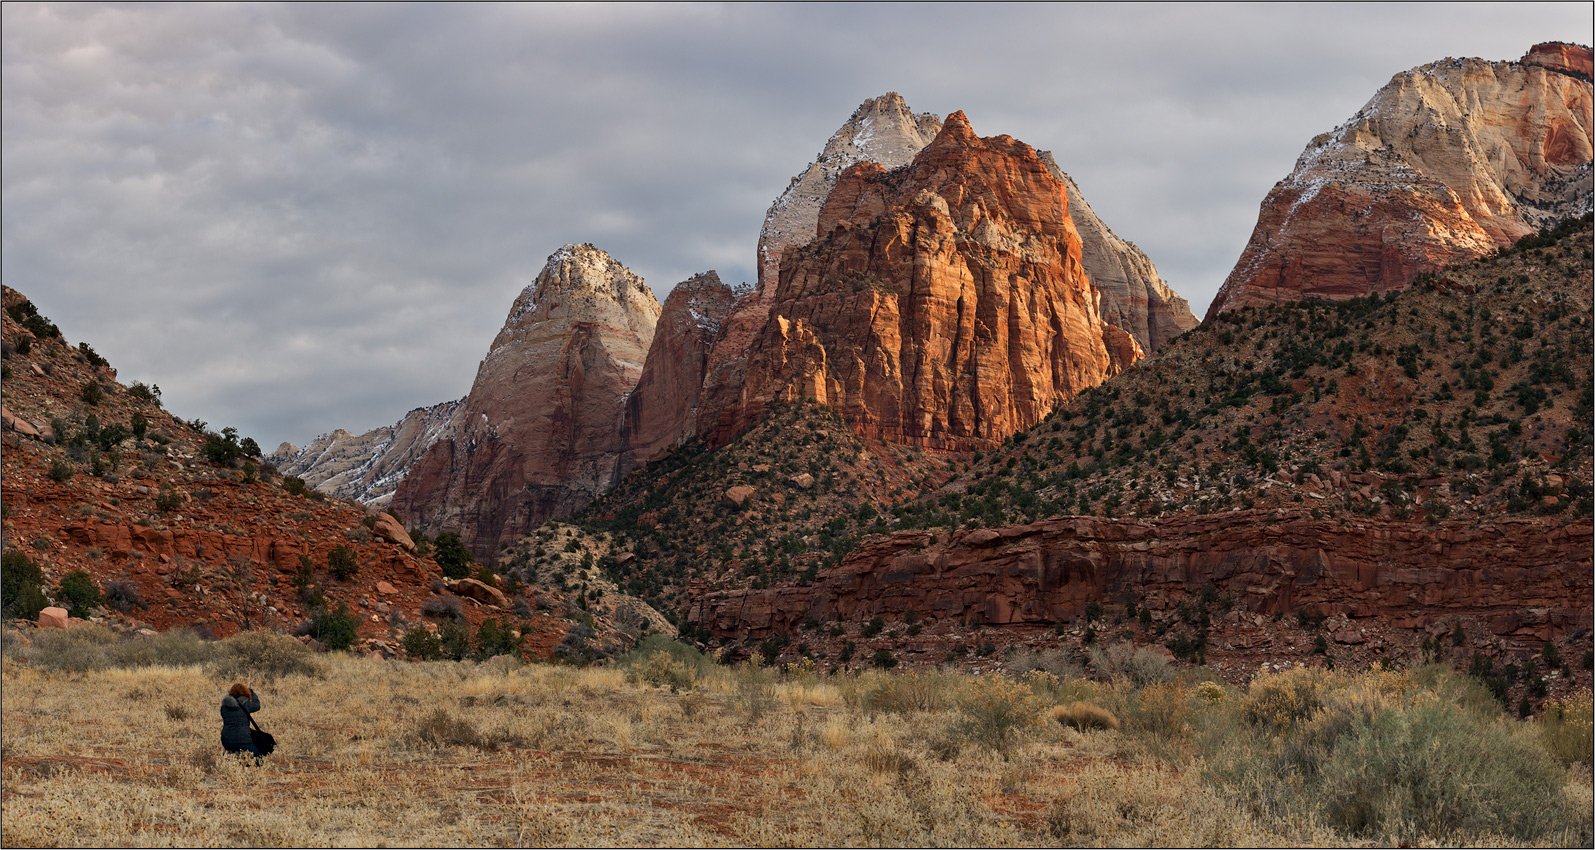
(661, 413)
(538, 436)
(1447, 162)
(943, 305)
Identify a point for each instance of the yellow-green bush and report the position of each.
(1278, 700)
(996, 712)
(1083, 716)
(1565, 728)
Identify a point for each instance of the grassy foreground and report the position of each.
(111, 741)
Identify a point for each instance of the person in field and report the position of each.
(239, 703)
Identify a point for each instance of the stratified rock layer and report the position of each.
(366, 468)
(1446, 163)
(1527, 579)
(662, 411)
(944, 304)
(538, 436)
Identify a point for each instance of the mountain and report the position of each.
(1358, 478)
(661, 413)
(538, 435)
(366, 468)
(1448, 162)
(944, 304)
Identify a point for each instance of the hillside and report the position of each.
(178, 526)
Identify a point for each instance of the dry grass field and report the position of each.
(112, 741)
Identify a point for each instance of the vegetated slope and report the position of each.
(181, 526)
(1470, 395)
(178, 526)
(778, 503)
(1397, 477)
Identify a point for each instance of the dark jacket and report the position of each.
(235, 719)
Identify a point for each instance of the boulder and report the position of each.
(803, 480)
(389, 529)
(386, 588)
(739, 494)
(473, 589)
(53, 618)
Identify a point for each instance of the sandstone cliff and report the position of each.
(368, 467)
(1447, 162)
(660, 414)
(882, 129)
(943, 305)
(538, 434)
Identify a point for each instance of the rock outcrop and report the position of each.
(944, 304)
(538, 436)
(663, 411)
(366, 468)
(1446, 163)
(882, 129)
(1527, 579)
(1134, 296)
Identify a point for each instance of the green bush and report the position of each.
(452, 555)
(454, 640)
(996, 712)
(494, 638)
(91, 393)
(21, 586)
(335, 629)
(78, 593)
(60, 471)
(342, 564)
(421, 644)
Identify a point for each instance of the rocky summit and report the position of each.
(943, 305)
(368, 467)
(1447, 162)
(538, 436)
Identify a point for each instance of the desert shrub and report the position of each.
(996, 712)
(78, 592)
(450, 553)
(342, 564)
(123, 595)
(1083, 716)
(144, 392)
(1162, 710)
(660, 670)
(421, 644)
(60, 471)
(167, 500)
(1054, 661)
(266, 655)
(1210, 692)
(76, 650)
(174, 648)
(901, 693)
(334, 628)
(494, 638)
(1278, 700)
(442, 729)
(1565, 728)
(1135, 664)
(443, 605)
(1434, 771)
(454, 640)
(91, 393)
(21, 586)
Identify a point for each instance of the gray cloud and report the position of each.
(296, 218)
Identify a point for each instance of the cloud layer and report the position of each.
(297, 218)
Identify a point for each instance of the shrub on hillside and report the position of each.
(266, 655)
(1135, 664)
(123, 595)
(334, 628)
(78, 593)
(1565, 728)
(342, 564)
(494, 638)
(21, 586)
(452, 555)
(1083, 716)
(420, 644)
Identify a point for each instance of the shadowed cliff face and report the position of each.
(1446, 163)
(539, 434)
(943, 305)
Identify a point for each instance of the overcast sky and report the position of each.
(298, 218)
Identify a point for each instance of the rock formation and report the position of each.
(538, 434)
(1527, 579)
(882, 130)
(661, 412)
(1134, 297)
(366, 468)
(944, 304)
(1446, 163)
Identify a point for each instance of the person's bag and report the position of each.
(264, 742)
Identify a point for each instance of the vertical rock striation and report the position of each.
(944, 304)
(368, 467)
(538, 434)
(1446, 163)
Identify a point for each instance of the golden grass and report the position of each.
(384, 753)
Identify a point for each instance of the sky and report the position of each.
(295, 218)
